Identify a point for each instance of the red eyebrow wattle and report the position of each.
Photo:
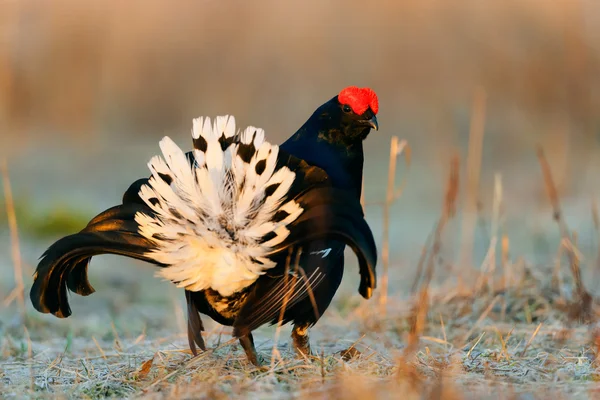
(359, 99)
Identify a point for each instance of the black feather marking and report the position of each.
(269, 236)
(176, 213)
(225, 141)
(246, 151)
(200, 144)
(167, 178)
(154, 201)
(280, 216)
(191, 159)
(158, 236)
(269, 190)
(260, 167)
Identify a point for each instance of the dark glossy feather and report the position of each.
(195, 326)
(64, 265)
(331, 214)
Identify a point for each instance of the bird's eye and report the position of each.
(347, 108)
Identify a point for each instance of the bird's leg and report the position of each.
(247, 342)
(301, 340)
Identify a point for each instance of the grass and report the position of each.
(488, 344)
(57, 220)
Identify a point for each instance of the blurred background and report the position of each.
(87, 89)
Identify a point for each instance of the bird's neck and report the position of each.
(343, 164)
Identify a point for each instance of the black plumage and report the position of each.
(326, 158)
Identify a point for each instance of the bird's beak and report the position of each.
(373, 123)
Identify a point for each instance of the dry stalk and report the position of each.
(506, 267)
(476, 133)
(421, 307)
(582, 310)
(397, 147)
(496, 209)
(18, 292)
(596, 220)
(486, 276)
(289, 291)
(531, 339)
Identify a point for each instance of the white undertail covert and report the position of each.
(212, 215)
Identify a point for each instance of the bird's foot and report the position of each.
(247, 343)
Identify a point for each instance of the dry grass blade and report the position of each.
(190, 363)
(531, 339)
(102, 353)
(503, 341)
(475, 345)
(486, 276)
(310, 292)
(582, 310)
(14, 239)
(289, 291)
(483, 315)
(421, 307)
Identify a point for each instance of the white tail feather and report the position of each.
(211, 217)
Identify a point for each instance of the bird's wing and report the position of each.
(300, 274)
(330, 215)
(335, 214)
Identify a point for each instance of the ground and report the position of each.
(514, 342)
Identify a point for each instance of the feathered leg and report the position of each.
(301, 339)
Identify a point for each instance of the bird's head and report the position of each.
(348, 118)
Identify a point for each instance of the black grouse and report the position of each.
(254, 232)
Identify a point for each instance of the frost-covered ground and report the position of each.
(128, 339)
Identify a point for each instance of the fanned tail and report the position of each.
(64, 265)
(230, 207)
